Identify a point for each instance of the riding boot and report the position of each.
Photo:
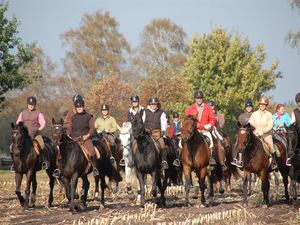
(45, 163)
(112, 158)
(290, 156)
(95, 170)
(164, 159)
(212, 160)
(176, 162)
(274, 163)
(56, 173)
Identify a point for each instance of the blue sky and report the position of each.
(262, 21)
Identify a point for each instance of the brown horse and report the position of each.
(195, 157)
(256, 160)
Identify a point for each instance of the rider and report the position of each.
(243, 120)
(295, 119)
(281, 118)
(135, 108)
(107, 126)
(205, 120)
(35, 122)
(177, 131)
(68, 114)
(155, 122)
(262, 121)
(81, 129)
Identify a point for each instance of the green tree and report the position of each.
(228, 70)
(96, 48)
(18, 66)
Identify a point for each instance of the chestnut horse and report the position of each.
(195, 157)
(256, 160)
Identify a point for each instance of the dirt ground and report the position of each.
(121, 209)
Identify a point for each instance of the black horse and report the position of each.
(73, 165)
(27, 161)
(293, 147)
(146, 160)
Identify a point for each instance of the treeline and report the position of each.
(101, 65)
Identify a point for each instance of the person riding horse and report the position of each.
(295, 119)
(177, 124)
(205, 121)
(155, 122)
(243, 119)
(35, 121)
(107, 126)
(262, 121)
(133, 110)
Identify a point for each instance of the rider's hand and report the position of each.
(260, 133)
(207, 126)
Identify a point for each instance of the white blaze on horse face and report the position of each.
(243, 131)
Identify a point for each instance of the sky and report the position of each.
(262, 21)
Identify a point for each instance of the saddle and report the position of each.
(267, 148)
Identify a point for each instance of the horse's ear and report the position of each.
(53, 121)
(12, 125)
(61, 121)
(239, 124)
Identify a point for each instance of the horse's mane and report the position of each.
(23, 128)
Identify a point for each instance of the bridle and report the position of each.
(190, 132)
(242, 131)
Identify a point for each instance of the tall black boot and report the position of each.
(274, 163)
(176, 162)
(45, 163)
(212, 160)
(164, 159)
(94, 164)
(112, 158)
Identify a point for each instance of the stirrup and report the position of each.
(212, 161)
(45, 165)
(164, 165)
(122, 162)
(176, 163)
(95, 172)
(288, 162)
(56, 173)
(130, 164)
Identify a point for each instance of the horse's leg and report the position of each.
(86, 186)
(276, 181)
(201, 174)
(33, 192)
(29, 177)
(245, 186)
(162, 188)
(265, 186)
(128, 176)
(140, 177)
(211, 186)
(51, 184)
(187, 175)
(18, 180)
(73, 185)
(66, 183)
(96, 193)
(284, 173)
(103, 186)
(293, 186)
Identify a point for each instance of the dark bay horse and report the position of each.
(146, 160)
(293, 147)
(195, 157)
(256, 160)
(26, 161)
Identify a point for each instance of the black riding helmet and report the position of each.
(297, 97)
(211, 103)
(248, 103)
(75, 97)
(175, 115)
(153, 100)
(199, 94)
(104, 107)
(79, 102)
(135, 98)
(31, 100)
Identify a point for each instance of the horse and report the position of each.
(125, 137)
(146, 160)
(195, 157)
(293, 143)
(256, 160)
(26, 160)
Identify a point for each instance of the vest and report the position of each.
(177, 127)
(31, 120)
(80, 124)
(152, 120)
(297, 117)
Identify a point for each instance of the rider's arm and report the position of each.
(211, 117)
(91, 126)
(293, 119)
(287, 120)
(42, 121)
(113, 125)
(269, 125)
(163, 122)
(19, 118)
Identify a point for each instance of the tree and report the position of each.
(294, 37)
(96, 48)
(225, 67)
(162, 49)
(18, 65)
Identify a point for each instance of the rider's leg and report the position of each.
(92, 156)
(212, 160)
(156, 135)
(176, 162)
(41, 145)
(269, 140)
(221, 154)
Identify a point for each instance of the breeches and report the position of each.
(269, 140)
(208, 134)
(156, 135)
(40, 141)
(89, 147)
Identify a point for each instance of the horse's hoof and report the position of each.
(221, 191)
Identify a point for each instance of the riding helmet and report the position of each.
(199, 94)
(135, 98)
(175, 115)
(31, 100)
(264, 100)
(297, 97)
(153, 100)
(211, 103)
(248, 103)
(104, 107)
(77, 97)
(79, 102)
